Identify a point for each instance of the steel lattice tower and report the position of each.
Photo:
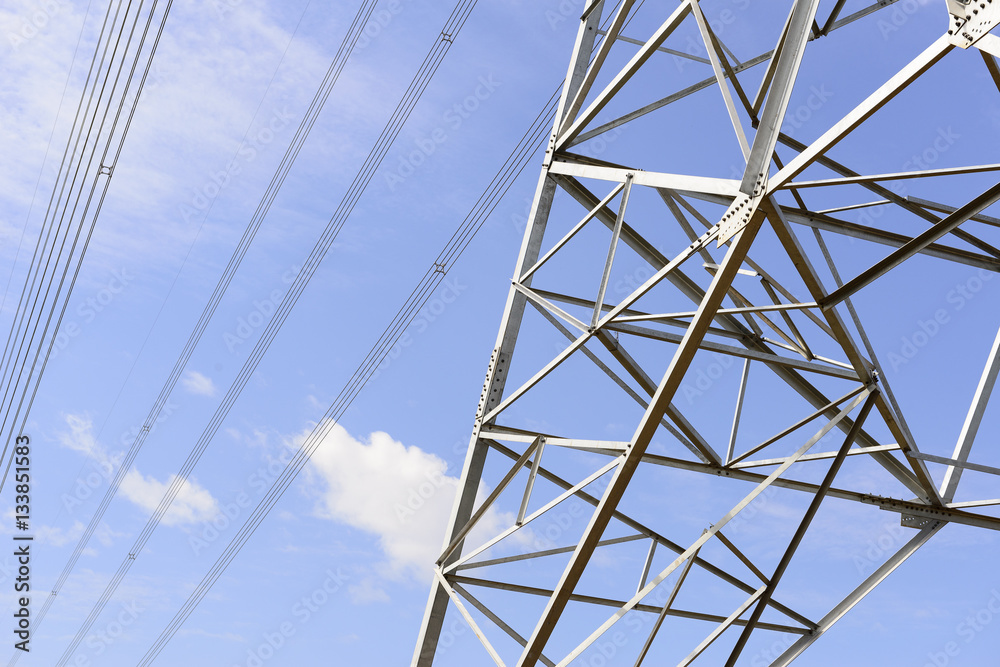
(759, 266)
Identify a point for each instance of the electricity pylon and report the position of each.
(644, 255)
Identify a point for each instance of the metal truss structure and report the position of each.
(741, 267)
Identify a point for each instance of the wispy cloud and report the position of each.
(196, 383)
(80, 437)
(193, 504)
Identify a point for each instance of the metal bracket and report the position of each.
(915, 521)
(738, 215)
(971, 20)
(494, 379)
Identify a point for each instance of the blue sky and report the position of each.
(338, 573)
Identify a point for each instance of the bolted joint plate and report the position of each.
(739, 214)
(971, 20)
(915, 521)
(495, 376)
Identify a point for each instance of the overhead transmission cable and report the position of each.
(459, 241)
(45, 158)
(456, 245)
(68, 218)
(33, 285)
(321, 96)
(197, 235)
(412, 95)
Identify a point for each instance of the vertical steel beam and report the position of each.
(739, 410)
(615, 235)
(971, 426)
(437, 603)
(800, 21)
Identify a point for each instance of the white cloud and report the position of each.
(58, 537)
(80, 437)
(193, 504)
(401, 494)
(196, 383)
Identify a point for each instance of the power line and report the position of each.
(452, 251)
(411, 96)
(449, 255)
(21, 313)
(39, 288)
(322, 94)
(45, 158)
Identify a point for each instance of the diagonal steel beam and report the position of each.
(693, 291)
(857, 595)
(910, 73)
(639, 527)
(708, 534)
(971, 426)
(800, 532)
(919, 481)
(499, 622)
(640, 441)
(610, 36)
(799, 22)
(666, 608)
(616, 84)
(720, 77)
(472, 471)
(918, 243)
